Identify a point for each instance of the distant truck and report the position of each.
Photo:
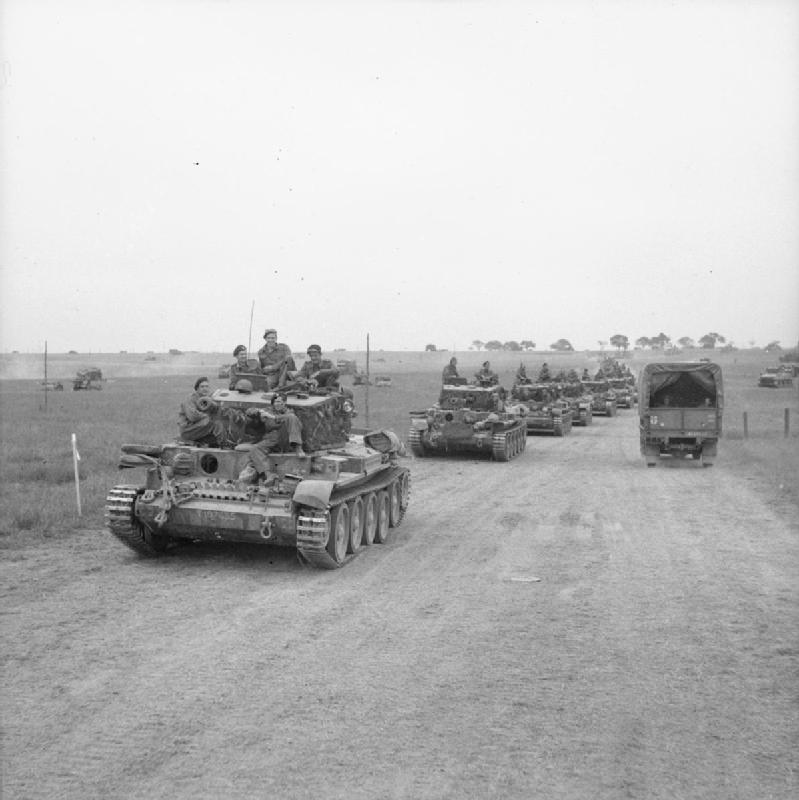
(89, 378)
(680, 406)
(776, 377)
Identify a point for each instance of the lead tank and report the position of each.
(347, 491)
(468, 419)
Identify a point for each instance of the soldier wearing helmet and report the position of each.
(275, 359)
(243, 366)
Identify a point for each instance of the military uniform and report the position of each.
(449, 372)
(281, 431)
(199, 426)
(324, 373)
(237, 372)
(487, 377)
(274, 361)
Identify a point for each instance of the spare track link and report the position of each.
(312, 552)
(120, 519)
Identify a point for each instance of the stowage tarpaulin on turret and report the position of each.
(680, 384)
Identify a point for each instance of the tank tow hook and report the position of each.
(267, 530)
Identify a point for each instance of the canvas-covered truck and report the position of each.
(346, 489)
(680, 408)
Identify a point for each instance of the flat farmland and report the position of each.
(566, 625)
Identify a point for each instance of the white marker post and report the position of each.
(75, 459)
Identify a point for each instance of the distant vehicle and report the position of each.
(174, 352)
(224, 371)
(680, 406)
(383, 380)
(88, 378)
(52, 386)
(624, 392)
(149, 358)
(346, 366)
(776, 377)
(468, 419)
(603, 398)
(545, 412)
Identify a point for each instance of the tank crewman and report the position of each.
(486, 376)
(521, 375)
(198, 417)
(275, 359)
(244, 366)
(543, 374)
(450, 371)
(282, 432)
(585, 376)
(318, 371)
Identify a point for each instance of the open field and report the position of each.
(566, 625)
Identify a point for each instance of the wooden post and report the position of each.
(45, 374)
(75, 460)
(746, 425)
(787, 422)
(368, 381)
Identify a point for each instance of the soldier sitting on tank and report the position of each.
(521, 375)
(198, 417)
(275, 359)
(282, 432)
(486, 376)
(543, 373)
(450, 371)
(243, 367)
(317, 372)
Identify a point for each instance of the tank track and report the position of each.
(415, 441)
(121, 521)
(508, 444)
(314, 526)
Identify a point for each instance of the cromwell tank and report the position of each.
(603, 398)
(346, 491)
(545, 413)
(468, 419)
(580, 403)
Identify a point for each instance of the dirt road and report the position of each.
(568, 625)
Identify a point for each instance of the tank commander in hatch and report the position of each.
(282, 432)
(521, 375)
(275, 359)
(486, 376)
(450, 371)
(243, 366)
(198, 418)
(317, 372)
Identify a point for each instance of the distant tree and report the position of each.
(173, 351)
(477, 344)
(643, 341)
(660, 341)
(430, 348)
(620, 342)
(685, 341)
(751, 343)
(527, 344)
(494, 344)
(773, 347)
(561, 345)
(601, 344)
(729, 348)
(512, 345)
(709, 340)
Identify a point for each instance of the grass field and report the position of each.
(139, 403)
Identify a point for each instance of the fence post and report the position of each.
(787, 422)
(746, 425)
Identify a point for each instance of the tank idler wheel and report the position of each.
(338, 538)
(395, 510)
(369, 518)
(383, 516)
(356, 525)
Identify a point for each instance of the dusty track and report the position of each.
(567, 625)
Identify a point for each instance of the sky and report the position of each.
(185, 173)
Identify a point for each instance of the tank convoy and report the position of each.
(603, 398)
(345, 490)
(468, 418)
(625, 394)
(544, 411)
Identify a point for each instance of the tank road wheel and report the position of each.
(369, 518)
(500, 447)
(381, 531)
(415, 441)
(356, 525)
(339, 537)
(122, 522)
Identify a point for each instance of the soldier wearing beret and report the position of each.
(198, 417)
(243, 367)
(318, 371)
(275, 359)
